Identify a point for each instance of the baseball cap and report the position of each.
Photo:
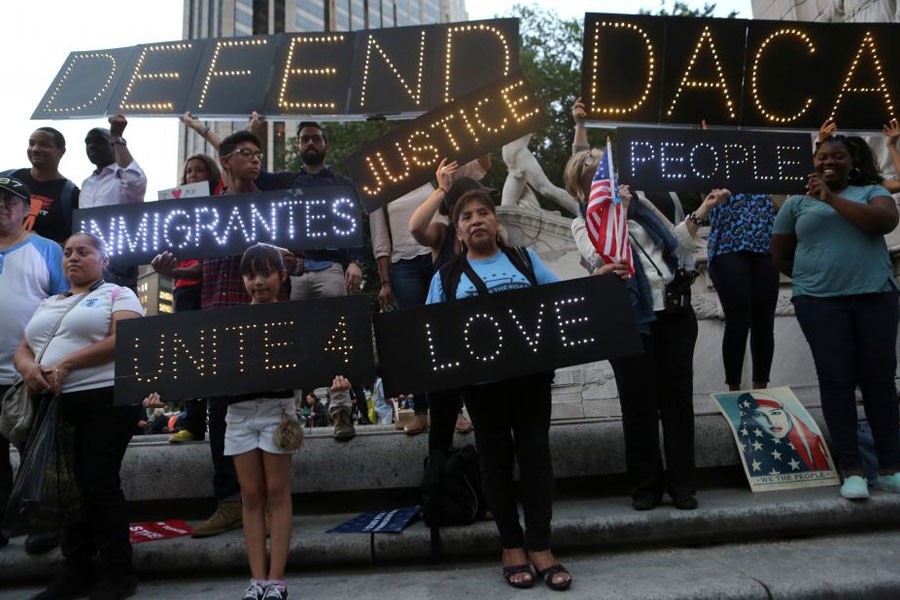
(16, 188)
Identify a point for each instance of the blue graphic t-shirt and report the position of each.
(498, 274)
(743, 223)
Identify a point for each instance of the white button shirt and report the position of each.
(113, 185)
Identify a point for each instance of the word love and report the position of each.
(509, 334)
(463, 130)
(693, 160)
(245, 349)
(675, 70)
(395, 71)
(327, 217)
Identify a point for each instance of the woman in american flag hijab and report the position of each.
(775, 441)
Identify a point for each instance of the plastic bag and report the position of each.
(45, 489)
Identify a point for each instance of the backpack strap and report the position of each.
(452, 272)
(521, 260)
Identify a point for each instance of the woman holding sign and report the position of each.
(831, 242)
(512, 416)
(68, 351)
(656, 385)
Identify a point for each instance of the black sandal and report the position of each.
(508, 573)
(548, 573)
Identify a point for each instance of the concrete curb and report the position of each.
(599, 524)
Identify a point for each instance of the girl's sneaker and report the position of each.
(254, 591)
(275, 591)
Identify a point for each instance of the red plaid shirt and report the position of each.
(222, 284)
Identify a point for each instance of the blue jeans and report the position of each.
(852, 339)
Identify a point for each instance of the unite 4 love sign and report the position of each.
(751, 74)
(395, 71)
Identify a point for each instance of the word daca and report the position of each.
(368, 72)
(465, 129)
(740, 73)
(226, 225)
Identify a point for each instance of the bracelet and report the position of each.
(205, 131)
(693, 218)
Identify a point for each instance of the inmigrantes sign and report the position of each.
(298, 219)
(369, 72)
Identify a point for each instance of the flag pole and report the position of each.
(614, 192)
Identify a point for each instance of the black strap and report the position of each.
(644, 252)
(450, 273)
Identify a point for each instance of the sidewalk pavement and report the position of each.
(600, 525)
(854, 566)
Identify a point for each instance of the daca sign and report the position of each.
(370, 72)
(298, 219)
(772, 74)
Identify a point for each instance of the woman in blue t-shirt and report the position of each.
(831, 242)
(512, 416)
(740, 266)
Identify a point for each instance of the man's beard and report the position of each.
(313, 157)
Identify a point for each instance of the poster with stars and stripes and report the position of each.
(780, 444)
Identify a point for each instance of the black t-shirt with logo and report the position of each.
(52, 218)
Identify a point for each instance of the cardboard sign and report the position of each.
(462, 130)
(694, 160)
(244, 349)
(399, 70)
(326, 217)
(773, 74)
(158, 530)
(508, 334)
(382, 521)
(188, 190)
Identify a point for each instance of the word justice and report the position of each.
(716, 161)
(483, 334)
(220, 227)
(465, 129)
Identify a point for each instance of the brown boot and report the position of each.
(418, 425)
(343, 424)
(227, 517)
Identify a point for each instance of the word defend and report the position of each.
(462, 130)
(326, 217)
(751, 74)
(246, 349)
(376, 72)
(694, 160)
(509, 334)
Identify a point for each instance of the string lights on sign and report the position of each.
(755, 75)
(214, 72)
(596, 82)
(867, 45)
(138, 76)
(48, 105)
(706, 39)
(373, 45)
(292, 70)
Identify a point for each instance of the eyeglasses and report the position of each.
(315, 139)
(247, 153)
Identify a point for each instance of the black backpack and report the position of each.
(451, 491)
(451, 272)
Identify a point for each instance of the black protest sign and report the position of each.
(696, 160)
(773, 74)
(298, 219)
(508, 334)
(244, 350)
(395, 71)
(462, 130)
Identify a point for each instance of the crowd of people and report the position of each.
(439, 243)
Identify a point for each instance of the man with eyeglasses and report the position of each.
(30, 271)
(118, 179)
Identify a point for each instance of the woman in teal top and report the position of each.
(831, 242)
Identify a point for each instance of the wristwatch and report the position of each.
(119, 140)
(693, 218)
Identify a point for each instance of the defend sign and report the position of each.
(326, 217)
(489, 338)
(244, 349)
(370, 72)
(462, 130)
(694, 160)
(772, 74)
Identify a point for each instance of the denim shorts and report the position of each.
(251, 424)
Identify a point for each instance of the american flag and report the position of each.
(606, 219)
